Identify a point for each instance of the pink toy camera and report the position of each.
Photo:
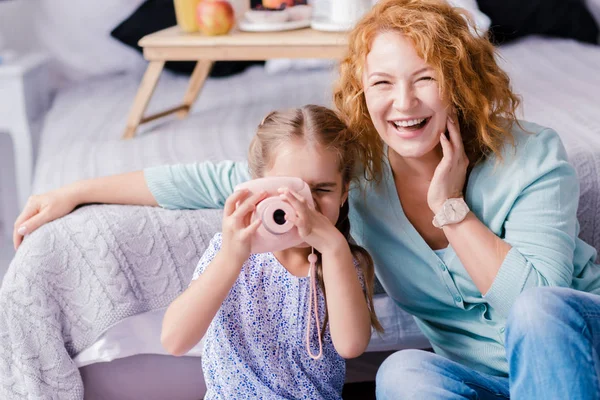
(275, 233)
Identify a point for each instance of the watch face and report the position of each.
(455, 210)
(450, 211)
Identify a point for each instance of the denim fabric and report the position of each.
(418, 374)
(552, 343)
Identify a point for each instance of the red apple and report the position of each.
(215, 17)
(277, 3)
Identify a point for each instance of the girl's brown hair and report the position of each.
(316, 125)
(467, 72)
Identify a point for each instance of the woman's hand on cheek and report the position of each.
(449, 177)
(238, 226)
(315, 228)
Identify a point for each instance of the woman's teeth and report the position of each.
(409, 123)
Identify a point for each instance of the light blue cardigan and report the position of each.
(529, 199)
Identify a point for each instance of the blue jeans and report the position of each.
(552, 344)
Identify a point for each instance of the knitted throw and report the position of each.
(75, 277)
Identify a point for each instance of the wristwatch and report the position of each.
(452, 211)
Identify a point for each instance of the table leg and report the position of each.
(199, 75)
(142, 98)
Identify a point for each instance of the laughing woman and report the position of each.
(469, 214)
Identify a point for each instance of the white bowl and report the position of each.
(300, 12)
(267, 16)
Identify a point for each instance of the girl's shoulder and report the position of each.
(215, 244)
(217, 239)
(208, 255)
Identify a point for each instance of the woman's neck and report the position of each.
(421, 168)
(295, 260)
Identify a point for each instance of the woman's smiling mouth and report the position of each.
(409, 128)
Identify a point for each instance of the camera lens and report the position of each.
(279, 217)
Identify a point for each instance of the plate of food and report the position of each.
(281, 19)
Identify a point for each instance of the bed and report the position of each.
(557, 78)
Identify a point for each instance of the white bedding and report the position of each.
(558, 80)
(140, 334)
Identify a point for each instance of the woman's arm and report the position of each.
(480, 251)
(349, 318)
(185, 186)
(539, 232)
(194, 186)
(129, 188)
(190, 315)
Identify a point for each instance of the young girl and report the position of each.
(253, 309)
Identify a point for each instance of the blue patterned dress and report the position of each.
(255, 347)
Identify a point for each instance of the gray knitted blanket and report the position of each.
(77, 276)
(74, 278)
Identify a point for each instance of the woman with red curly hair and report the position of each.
(486, 203)
(469, 214)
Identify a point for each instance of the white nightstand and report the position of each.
(24, 98)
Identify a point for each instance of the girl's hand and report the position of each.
(449, 177)
(315, 228)
(237, 226)
(41, 209)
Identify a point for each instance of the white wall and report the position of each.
(17, 33)
(16, 24)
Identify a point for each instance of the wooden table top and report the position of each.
(175, 37)
(173, 44)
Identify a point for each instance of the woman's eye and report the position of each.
(321, 191)
(425, 78)
(380, 83)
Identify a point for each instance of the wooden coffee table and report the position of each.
(173, 44)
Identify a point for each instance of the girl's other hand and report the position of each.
(237, 225)
(449, 177)
(41, 209)
(315, 228)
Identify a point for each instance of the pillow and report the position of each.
(512, 19)
(594, 7)
(76, 36)
(154, 15)
(482, 21)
